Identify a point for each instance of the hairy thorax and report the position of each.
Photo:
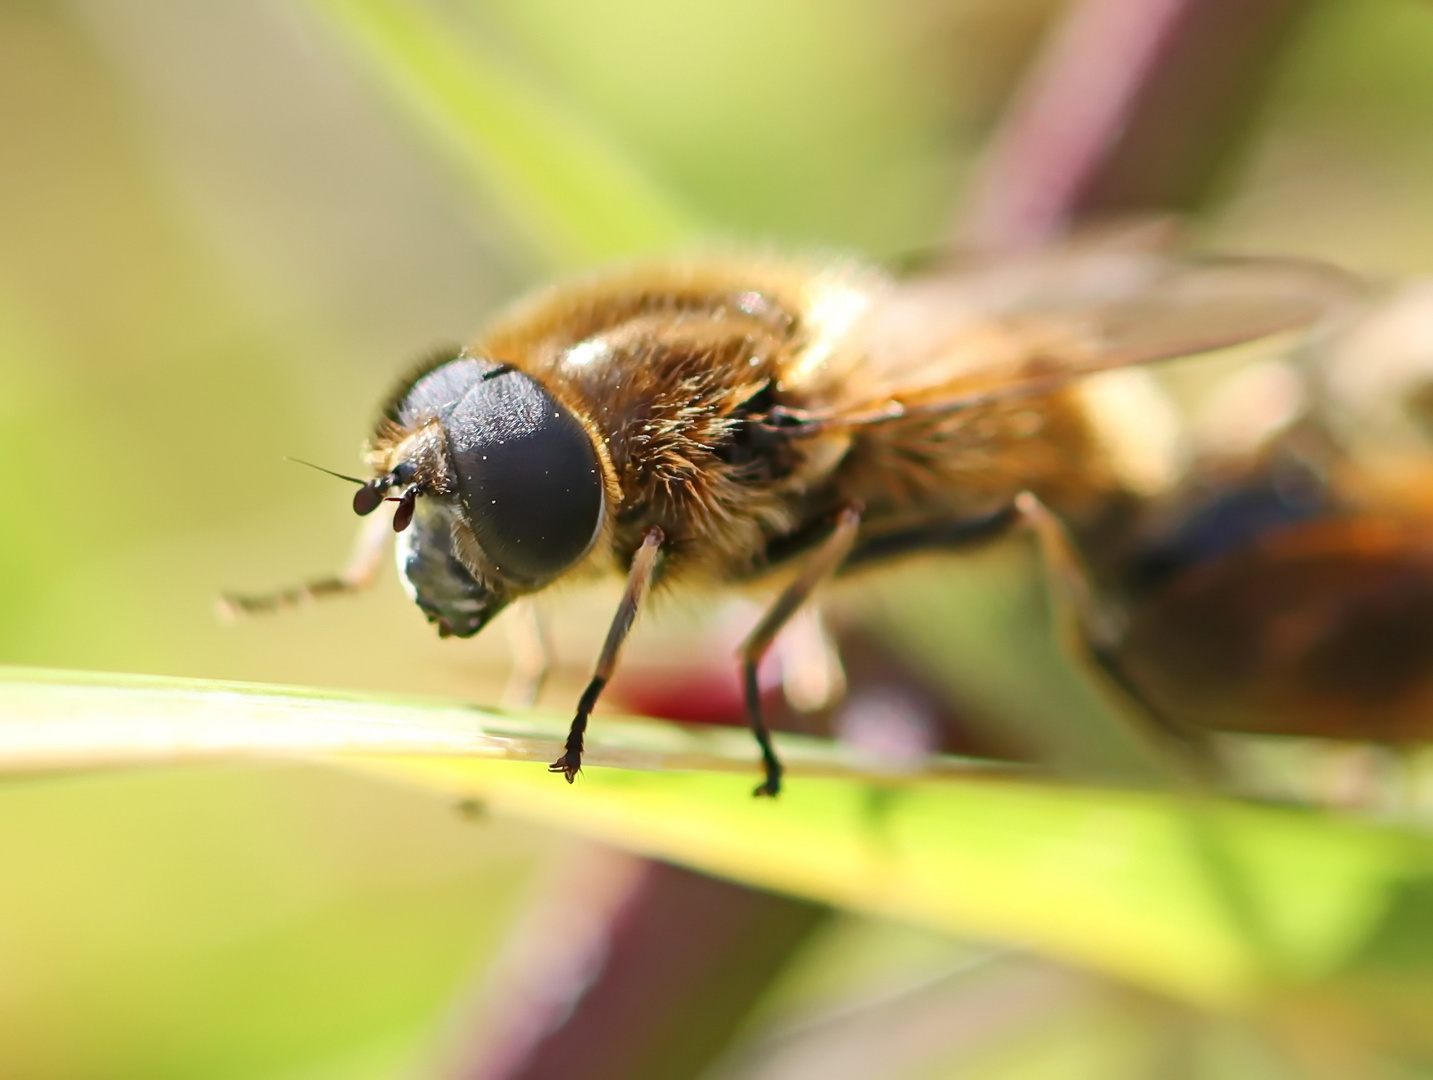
(682, 379)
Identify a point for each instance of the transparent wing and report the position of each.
(958, 339)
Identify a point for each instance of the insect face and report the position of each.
(502, 485)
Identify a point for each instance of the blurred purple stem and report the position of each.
(658, 987)
(1132, 106)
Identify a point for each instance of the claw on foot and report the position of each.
(770, 787)
(569, 764)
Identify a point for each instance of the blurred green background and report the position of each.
(219, 241)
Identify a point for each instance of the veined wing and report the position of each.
(1020, 328)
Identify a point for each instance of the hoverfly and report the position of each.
(725, 419)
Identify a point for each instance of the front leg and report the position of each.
(639, 577)
(368, 551)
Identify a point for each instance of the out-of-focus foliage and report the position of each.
(577, 198)
(219, 241)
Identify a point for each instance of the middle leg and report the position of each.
(826, 560)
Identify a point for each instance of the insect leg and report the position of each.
(1081, 620)
(811, 673)
(825, 562)
(368, 551)
(1090, 634)
(639, 577)
(532, 652)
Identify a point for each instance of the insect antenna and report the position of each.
(320, 468)
(370, 493)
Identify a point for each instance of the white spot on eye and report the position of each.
(585, 352)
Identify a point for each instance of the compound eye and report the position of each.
(527, 476)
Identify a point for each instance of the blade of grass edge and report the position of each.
(76, 720)
(575, 194)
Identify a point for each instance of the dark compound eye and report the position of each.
(526, 473)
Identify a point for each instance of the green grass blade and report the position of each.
(60, 720)
(1112, 880)
(1108, 880)
(574, 194)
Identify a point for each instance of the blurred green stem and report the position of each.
(575, 196)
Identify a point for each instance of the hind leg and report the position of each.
(1089, 632)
